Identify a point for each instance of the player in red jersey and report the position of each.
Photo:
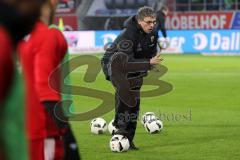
(42, 51)
(36, 62)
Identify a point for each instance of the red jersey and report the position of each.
(42, 51)
(6, 63)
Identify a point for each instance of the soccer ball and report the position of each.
(119, 143)
(163, 44)
(153, 126)
(98, 126)
(147, 117)
(111, 128)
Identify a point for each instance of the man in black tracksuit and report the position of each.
(125, 63)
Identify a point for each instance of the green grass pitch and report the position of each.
(202, 113)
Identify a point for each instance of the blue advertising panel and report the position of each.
(104, 37)
(206, 41)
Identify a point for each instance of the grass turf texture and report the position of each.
(208, 86)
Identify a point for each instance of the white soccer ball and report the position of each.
(111, 128)
(147, 117)
(153, 126)
(98, 126)
(163, 44)
(119, 143)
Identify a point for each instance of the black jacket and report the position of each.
(161, 23)
(133, 41)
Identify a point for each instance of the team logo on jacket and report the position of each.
(152, 39)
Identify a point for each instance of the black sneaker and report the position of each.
(133, 147)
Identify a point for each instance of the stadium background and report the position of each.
(202, 112)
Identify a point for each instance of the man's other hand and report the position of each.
(156, 60)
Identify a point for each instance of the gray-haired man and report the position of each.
(125, 63)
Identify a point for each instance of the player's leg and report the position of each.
(136, 84)
(127, 121)
(121, 116)
(134, 113)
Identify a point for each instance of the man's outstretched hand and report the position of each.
(156, 60)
